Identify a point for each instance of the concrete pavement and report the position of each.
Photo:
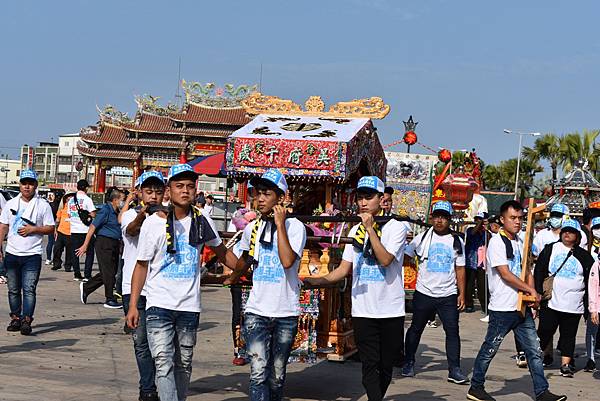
(79, 352)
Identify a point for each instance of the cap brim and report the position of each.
(154, 179)
(569, 229)
(442, 212)
(367, 190)
(259, 181)
(28, 179)
(185, 174)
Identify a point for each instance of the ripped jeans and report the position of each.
(171, 337)
(501, 323)
(269, 342)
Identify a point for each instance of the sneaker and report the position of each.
(55, 268)
(548, 396)
(469, 309)
(26, 326)
(590, 366)
(68, 270)
(14, 325)
(85, 280)
(112, 304)
(432, 324)
(521, 360)
(479, 394)
(238, 361)
(48, 262)
(456, 376)
(77, 277)
(151, 396)
(485, 319)
(408, 370)
(565, 371)
(548, 361)
(3, 280)
(82, 295)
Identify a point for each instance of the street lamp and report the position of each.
(507, 131)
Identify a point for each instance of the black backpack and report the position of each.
(84, 215)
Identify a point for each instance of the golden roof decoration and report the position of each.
(373, 107)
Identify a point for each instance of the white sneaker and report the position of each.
(432, 324)
(485, 319)
(48, 262)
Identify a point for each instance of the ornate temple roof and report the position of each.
(577, 189)
(208, 113)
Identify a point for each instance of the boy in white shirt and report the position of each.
(504, 256)
(151, 192)
(274, 248)
(375, 261)
(24, 221)
(168, 264)
(440, 288)
(83, 206)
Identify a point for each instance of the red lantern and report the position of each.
(410, 138)
(459, 189)
(444, 155)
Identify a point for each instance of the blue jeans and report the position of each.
(424, 307)
(172, 336)
(23, 273)
(143, 357)
(268, 344)
(49, 246)
(591, 331)
(524, 328)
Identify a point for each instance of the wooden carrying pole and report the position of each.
(522, 299)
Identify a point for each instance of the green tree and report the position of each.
(546, 147)
(502, 177)
(575, 146)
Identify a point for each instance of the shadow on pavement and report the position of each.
(71, 324)
(35, 345)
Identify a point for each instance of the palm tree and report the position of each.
(546, 147)
(575, 146)
(502, 177)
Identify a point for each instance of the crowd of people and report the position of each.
(149, 244)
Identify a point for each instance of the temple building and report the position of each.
(160, 136)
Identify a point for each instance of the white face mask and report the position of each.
(596, 232)
(121, 204)
(555, 222)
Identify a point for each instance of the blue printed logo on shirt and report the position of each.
(568, 271)
(440, 258)
(515, 264)
(184, 264)
(18, 223)
(269, 267)
(369, 270)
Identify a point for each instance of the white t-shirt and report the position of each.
(85, 203)
(437, 276)
(173, 281)
(32, 244)
(568, 287)
(130, 245)
(275, 290)
(208, 210)
(378, 292)
(543, 238)
(503, 298)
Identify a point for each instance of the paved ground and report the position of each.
(79, 352)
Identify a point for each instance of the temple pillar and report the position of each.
(243, 193)
(97, 165)
(183, 156)
(102, 180)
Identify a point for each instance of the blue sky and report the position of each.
(464, 69)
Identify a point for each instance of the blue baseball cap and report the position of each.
(442, 207)
(150, 175)
(272, 177)
(370, 183)
(559, 208)
(595, 221)
(184, 170)
(28, 175)
(570, 225)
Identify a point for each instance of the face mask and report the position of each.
(596, 232)
(555, 222)
(121, 204)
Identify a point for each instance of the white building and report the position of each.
(9, 172)
(68, 160)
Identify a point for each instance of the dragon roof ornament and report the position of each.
(148, 103)
(257, 103)
(109, 114)
(229, 96)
